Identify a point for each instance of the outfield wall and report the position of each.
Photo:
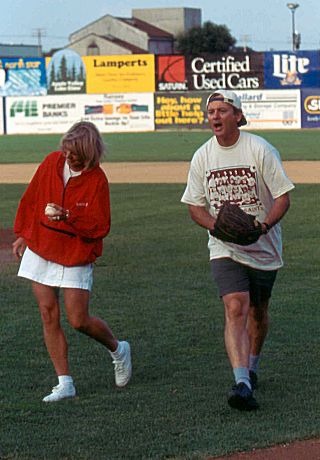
(279, 90)
(138, 112)
(66, 72)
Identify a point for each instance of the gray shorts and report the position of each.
(231, 276)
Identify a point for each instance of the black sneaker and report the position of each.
(241, 397)
(253, 380)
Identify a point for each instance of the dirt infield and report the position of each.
(307, 172)
(300, 450)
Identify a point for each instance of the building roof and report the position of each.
(10, 50)
(124, 44)
(149, 29)
(117, 41)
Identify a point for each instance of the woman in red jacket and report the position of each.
(61, 221)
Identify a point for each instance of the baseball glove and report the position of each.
(236, 226)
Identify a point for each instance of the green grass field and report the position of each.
(156, 146)
(153, 285)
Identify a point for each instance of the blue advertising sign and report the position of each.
(23, 77)
(310, 108)
(288, 70)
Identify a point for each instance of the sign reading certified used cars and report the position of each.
(240, 71)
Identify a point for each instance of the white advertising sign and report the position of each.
(1, 116)
(55, 114)
(271, 109)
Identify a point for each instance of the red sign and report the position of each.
(171, 73)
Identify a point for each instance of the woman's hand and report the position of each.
(18, 247)
(55, 212)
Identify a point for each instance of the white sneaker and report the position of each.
(123, 366)
(61, 391)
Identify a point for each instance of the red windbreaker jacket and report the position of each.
(78, 240)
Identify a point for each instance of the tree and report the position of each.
(207, 38)
(73, 73)
(52, 74)
(63, 69)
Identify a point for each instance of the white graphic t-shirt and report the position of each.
(249, 174)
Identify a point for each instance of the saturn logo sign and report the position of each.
(312, 104)
(171, 69)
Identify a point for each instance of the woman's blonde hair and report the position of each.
(84, 140)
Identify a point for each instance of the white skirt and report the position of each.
(35, 268)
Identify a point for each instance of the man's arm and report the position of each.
(278, 210)
(201, 216)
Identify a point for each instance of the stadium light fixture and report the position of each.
(295, 37)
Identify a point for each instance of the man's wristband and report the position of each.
(267, 227)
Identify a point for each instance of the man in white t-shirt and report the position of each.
(255, 180)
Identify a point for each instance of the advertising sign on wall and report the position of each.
(264, 109)
(66, 73)
(171, 73)
(55, 114)
(285, 69)
(47, 114)
(1, 116)
(271, 109)
(120, 112)
(180, 110)
(206, 72)
(310, 108)
(22, 77)
(234, 71)
(120, 74)
(237, 71)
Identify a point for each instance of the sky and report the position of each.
(262, 25)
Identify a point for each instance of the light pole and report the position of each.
(39, 33)
(293, 7)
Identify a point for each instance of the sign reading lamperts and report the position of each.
(180, 110)
(120, 74)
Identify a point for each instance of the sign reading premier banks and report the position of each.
(239, 71)
(55, 114)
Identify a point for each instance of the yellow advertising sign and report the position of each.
(120, 74)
